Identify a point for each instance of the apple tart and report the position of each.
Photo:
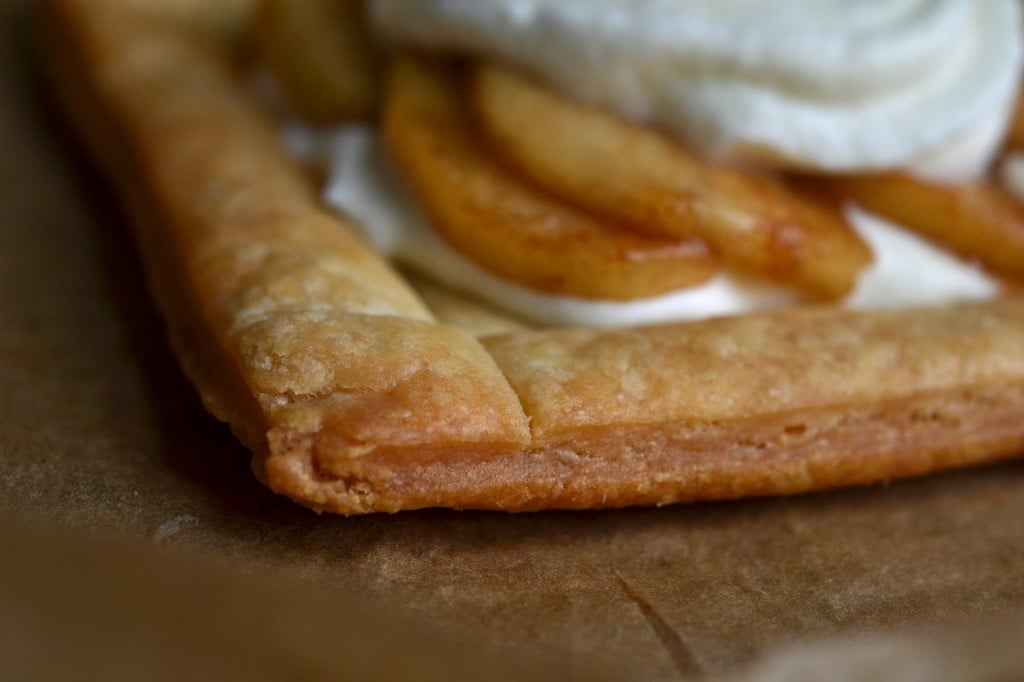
(363, 384)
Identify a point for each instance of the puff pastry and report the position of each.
(355, 397)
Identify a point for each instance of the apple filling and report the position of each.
(566, 213)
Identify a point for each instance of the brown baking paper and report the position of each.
(99, 431)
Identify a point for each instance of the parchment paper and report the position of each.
(100, 432)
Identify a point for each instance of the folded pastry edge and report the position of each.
(356, 437)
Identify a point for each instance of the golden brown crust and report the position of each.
(354, 398)
(317, 327)
(758, 365)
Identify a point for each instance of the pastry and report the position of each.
(355, 397)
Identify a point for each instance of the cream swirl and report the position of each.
(833, 85)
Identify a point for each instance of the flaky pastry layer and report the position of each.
(355, 397)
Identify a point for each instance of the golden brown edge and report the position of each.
(354, 399)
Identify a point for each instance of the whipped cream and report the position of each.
(833, 85)
(907, 269)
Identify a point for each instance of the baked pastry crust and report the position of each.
(354, 397)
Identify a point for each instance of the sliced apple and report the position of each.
(1015, 130)
(321, 53)
(975, 220)
(502, 223)
(649, 182)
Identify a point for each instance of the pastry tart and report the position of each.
(361, 388)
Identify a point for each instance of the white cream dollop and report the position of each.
(907, 269)
(833, 85)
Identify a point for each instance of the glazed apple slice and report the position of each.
(635, 175)
(976, 220)
(500, 221)
(321, 53)
(1015, 132)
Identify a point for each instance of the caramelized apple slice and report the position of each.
(637, 176)
(504, 225)
(1015, 131)
(975, 220)
(320, 52)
